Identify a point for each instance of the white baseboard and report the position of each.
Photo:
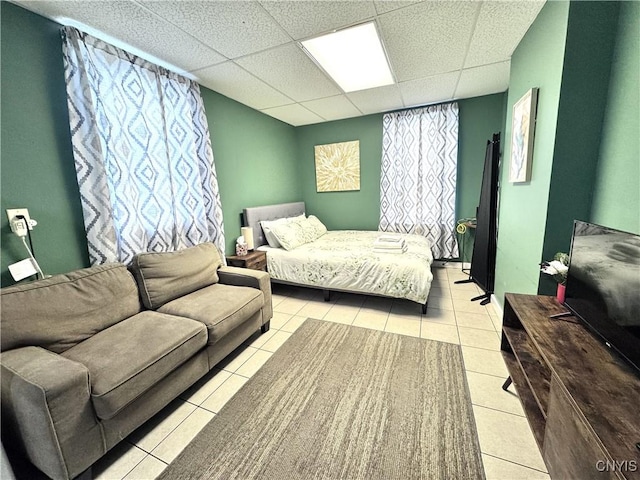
(466, 265)
(496, 306)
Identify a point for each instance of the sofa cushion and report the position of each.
(59, 312)
(163, 277)
(127, 359)
(220, 307)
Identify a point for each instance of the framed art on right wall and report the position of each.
(523, 124)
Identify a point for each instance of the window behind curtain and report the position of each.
(142, 151)
(418, 175)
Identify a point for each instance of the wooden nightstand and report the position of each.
(255, 260)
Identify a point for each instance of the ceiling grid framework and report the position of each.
(248, 50)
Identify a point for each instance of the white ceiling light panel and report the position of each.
(353, 57)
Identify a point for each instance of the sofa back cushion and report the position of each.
(163, 277)
(59, 312)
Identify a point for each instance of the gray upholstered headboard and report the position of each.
(254, 215)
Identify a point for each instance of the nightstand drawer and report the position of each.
(256, 260)
(257, 263)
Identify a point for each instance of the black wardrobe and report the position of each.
(483, 260)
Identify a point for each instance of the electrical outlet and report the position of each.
(19, 227)
(14, 212)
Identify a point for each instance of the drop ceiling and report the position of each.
(249, 51)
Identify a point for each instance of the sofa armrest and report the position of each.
(47, 411)
(244, 277)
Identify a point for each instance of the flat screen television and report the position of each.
(603, 286)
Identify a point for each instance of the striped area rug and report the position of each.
(342, 402)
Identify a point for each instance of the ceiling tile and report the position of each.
(295, 115)
(333, 108)
(376, 100)
(425, 91)
(289, 70)
(511, 19)
(232, 28)
(428, 38)
(427, 42)
(384, 6)
(135, 26)
(308, 18)
(234, 82)
(485, 80)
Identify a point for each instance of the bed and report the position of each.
(345, 260)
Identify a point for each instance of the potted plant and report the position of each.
(558, 268)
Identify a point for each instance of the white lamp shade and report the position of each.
(247, 233)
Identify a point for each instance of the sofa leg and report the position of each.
(265, 328)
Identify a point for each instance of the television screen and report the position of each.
(603, 286)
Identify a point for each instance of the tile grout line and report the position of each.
(485, 373)
(498, 410)
(170, 432)
(502, 411)
(138, 463)
(482, 348)
(515, 463)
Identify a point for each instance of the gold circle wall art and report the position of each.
(338, 167)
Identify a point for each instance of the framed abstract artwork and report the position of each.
(523, 125)
(338, 167)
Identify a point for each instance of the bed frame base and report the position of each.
(251, 217)
(327, 293)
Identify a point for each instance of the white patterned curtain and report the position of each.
(418, 178)
(142, 151)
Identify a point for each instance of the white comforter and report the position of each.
(346, 260)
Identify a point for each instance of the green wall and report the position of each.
(479, 118)
(591, 34)
(584, 58)
(536, 62)
(616, 198)
(36, 160)
(255, 158)
(255, 155)
(344, 210)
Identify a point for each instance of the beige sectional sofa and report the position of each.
(89, 356)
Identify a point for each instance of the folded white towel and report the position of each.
(390, 243)
(389, 239)
(390, 250)
(388, 247)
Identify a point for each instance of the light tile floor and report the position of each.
(509, 451)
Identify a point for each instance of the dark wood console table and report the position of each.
(582, 401)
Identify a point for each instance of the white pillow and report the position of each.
(267, 226)
(298, 232)
(316, 226)
(289, 235)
